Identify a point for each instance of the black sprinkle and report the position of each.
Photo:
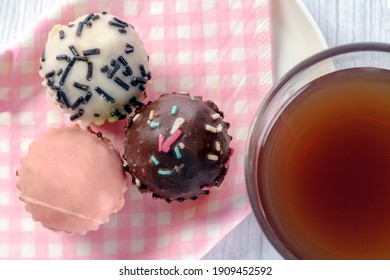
(77, 102)
(120, 21)
(141, 87)
(104, 69)
(87, 97)
(54, 87)
(50, 74)
(89, 71)
(104, 12)
(59, 72)
(127, 108)
(136, 103)
(123, 31)
(79, 28)
(62, 57)
(128, 71)
(77, 115)
(113, 62)
(62, 34)
(180, 199)
(129, 48)
(112, 72)
(96, 115)
(66, 72)
(142, 69)
(64, 98)
(70, 24)
(80, 86)
(121, 83)
(206, 192)
(149, 75)
(95, 17)
(73, 50)
(43, 56)
(88, 18)
(80, 58)
(122, 60)
(91, 51)
(121, 117)
(108, 98)
(137, 80)
(88, 24)
(116, 24)
(50, 82)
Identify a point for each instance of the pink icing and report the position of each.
(71, 180)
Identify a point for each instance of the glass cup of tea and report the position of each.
(318, 156)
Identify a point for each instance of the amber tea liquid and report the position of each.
(324, 169)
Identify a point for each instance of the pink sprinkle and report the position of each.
(160, 142)
(167, 145)
(143, 171)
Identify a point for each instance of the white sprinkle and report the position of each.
(184, 92)
(215, 116)
(212, 157)
(219, 128)
(176, 125)
(181, 145)
(151, 115)
(217, 146)
(211, 128)
(136, 117)
(137, 182)
(148, 122)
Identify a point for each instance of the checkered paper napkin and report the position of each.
(218, 49)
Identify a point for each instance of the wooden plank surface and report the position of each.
(341, 21)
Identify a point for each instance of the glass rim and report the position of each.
(251, 156)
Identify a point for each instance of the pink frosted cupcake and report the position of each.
(72, 180)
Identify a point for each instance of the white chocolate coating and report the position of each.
(100, 41)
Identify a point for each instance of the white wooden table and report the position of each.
(341, 21)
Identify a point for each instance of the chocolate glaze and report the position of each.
(185, 162)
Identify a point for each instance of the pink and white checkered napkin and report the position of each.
(218, 49)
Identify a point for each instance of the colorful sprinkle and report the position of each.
(154, 124)
(161, 139)
(151, 115)
(181, 145)
(215, 116)
(138, 182)
(210, 128)
(164, 172)
(176, 125)
(136, 117)
(174, 110)
(219, 128)
(169, 142)
(154, 160)
(217, 146)
(212, 157)
(177, 152)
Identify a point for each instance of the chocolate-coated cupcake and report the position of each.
(177, 147)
